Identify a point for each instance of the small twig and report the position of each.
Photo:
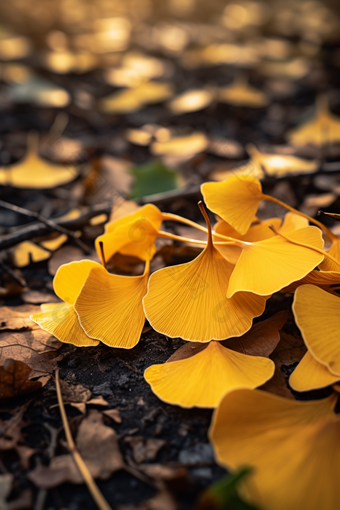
(50, 223)
(40, 229)
(17, 278)
(91, 484)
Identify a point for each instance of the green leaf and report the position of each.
(223, 494)
(153, 178)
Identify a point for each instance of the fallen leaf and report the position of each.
(26, 252)
(36, 297)
(68, 254)
(17, 317)
(36, 348)
(191, 100)
(114, 414)
(74, 392)
(181, 145)
(6, 482)
(144, 449)
(240, 93)
(33, 172)
(153, 178)
(98, 446)
(14, 379)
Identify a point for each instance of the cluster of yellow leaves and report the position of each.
(211, 299)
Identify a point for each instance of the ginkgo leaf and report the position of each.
(236, 200)
(180, 145)
(39, 91)
(132, 234)
(322, 129)
(62, 322)
(240, 93)
(280, 165)
(293, 69)
(191, 101)
(292, 446)
(110, 307)
(202, 380)
(317, 316)
(132, 99)
(60, 319)
(311, 375)
(329, 265)
(70, 278)
(26, 252)
(55, 243)
(189, 300)
(267, 266)
(34, 172)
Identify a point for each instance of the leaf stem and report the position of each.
(91, 484)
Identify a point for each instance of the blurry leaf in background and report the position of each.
(181, 145)
(223, 494)
(14, 379)
(26, 252)
(294, 69)
(55, 243)
(13, 46)
(138, 136)
(323, 129)
(33, 172)
(39, 91)
(191, 101)
(153, 178)
(240, 93)
(133, 99)
(135, 68)
(63, 62)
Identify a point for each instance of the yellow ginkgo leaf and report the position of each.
(322, 129)
(62, 322)
(257, 232)
(133, 234)
(293, 69)
(191, 101)
(26, 252)
(134, 98)
(110, 307)
(55, 243)
(240, 93)
(311, 375)
(236, 200)
(181, 145)
(328, 264)
(317, 315)
(280, 165)
(60, 319)
(292, 446)
(267, 266)
(189, 300)
(202, 380)
(70, 278)
(34, 172)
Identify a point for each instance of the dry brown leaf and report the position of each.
(261, 340)
(17, 317)
(14, 379)
(98, 446)
(65, 255)
(74, 392)
(144, 449)
(36, 348)
(114, 414)
(36, 297)
(163, 500)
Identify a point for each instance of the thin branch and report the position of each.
(40, 229)
(88, 479)
(49, 223)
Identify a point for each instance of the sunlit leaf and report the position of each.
(36, 173)
(191, 101)
(110, 307)
(291, 445)
(240, 93)
(323, 129)
(202, 379)
(38, 91)
(179, 145)
(317, 315)
(26, 252)
(311, 375)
